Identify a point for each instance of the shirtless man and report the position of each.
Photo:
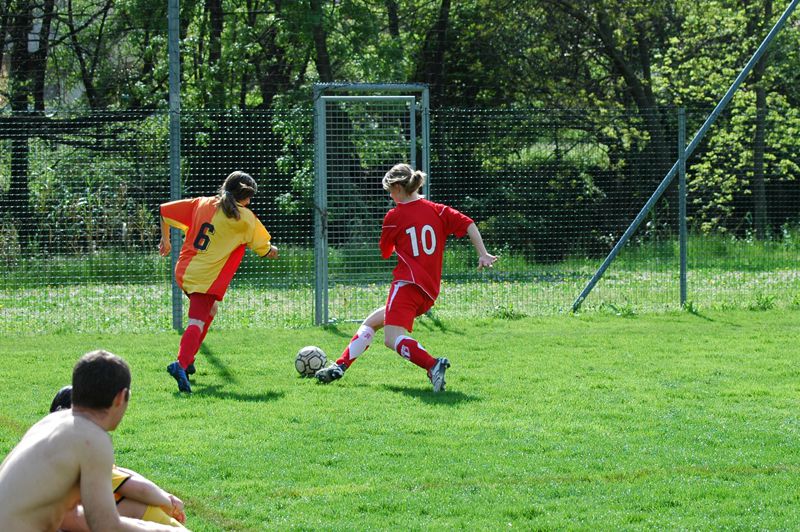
(67, 456)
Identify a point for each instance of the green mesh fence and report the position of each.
(551, 190)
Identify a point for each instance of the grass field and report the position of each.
(679, 421)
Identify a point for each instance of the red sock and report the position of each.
(190, 343)
(412, 350)
(205, 330)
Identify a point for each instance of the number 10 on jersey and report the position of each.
(427, 236)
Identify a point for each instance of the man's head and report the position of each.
(97, 380)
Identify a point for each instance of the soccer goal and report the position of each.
(360, 131)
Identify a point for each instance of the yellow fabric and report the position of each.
(154, 514)
(118, 478)
(214, 243)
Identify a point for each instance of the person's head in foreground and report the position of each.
(101, 382)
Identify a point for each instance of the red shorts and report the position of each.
(200, 306)
(405, 302)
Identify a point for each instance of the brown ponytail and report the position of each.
(237, 187)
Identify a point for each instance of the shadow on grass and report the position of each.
(426, 395)
(219, 392)
(334, 328)
(694, 312)
(219, 365)
(430, 322)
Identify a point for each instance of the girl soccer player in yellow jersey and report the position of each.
(217, 231)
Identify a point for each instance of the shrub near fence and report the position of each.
(551, 191)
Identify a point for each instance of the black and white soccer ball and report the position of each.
(309, 359)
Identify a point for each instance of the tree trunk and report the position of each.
(394, 19)
(39, 57)
(86, 77)
(430, 68)
(17, 201)
(215, 22)
(323, 60)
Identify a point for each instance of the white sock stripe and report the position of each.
(196, 323)
(400, 339)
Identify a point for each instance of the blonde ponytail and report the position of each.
(402, 174)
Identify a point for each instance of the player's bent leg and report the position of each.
(190, 342)
(376, 319)
(412, 350)
(359, 343)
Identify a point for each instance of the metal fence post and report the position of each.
(682, 199)
(426, 140)
(320, 213)
(173, 20)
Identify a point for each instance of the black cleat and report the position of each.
(330, 374)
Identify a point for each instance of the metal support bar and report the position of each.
(173, 30)
(682, 238)
(689, 150)
(426, 140)
(320, 215)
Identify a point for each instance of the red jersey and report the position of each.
(417, 232)
(214, 244)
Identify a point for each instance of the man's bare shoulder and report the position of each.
(65, 426)
(39, 480)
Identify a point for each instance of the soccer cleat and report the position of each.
(179, 373)
(330, 374)
(190, 370)
(436, 374)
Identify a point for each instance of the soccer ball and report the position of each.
(309, 359)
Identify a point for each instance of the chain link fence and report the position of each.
(551, 190)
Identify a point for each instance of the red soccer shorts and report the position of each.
(200, 306)
(405, 302)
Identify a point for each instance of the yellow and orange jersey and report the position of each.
(214, 244)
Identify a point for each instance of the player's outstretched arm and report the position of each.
(485, 260)
(144, 490)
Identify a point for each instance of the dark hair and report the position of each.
(97, 378)
(402, 174)
(62, 400)
(238, 186)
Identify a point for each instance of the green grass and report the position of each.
(684, 420)
(147, 307)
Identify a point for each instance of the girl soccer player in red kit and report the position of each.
(217, 231)
(416, 230)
